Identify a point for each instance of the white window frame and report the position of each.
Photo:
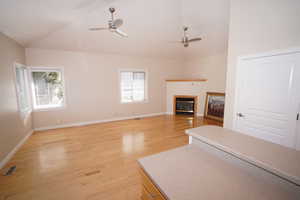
(47, 69)
(27, 111)
(146, 85)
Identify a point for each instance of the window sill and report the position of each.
(136, 102)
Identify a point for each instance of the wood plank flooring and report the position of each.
(92, 162)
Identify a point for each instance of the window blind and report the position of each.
(132, 86)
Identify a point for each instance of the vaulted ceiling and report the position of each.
(152, 25)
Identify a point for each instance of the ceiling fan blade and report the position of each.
(195, 39)
(97, 29)
(120, 33)
(118, 22)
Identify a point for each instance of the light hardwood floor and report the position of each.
(91, 162)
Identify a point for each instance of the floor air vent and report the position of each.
(10, 171)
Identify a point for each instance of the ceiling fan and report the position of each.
(186, 40)
(113, 25)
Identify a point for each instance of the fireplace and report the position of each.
(185, 105)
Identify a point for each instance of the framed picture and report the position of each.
(214, 106)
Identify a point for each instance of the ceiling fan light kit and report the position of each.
(186, 40)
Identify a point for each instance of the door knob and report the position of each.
(240, 115)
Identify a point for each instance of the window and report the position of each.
(133, 86)
(22, 89)
(47, 88)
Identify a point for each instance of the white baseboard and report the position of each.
(97, 121)
(12, 153)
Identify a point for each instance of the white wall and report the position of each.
(93, 90)
(92, 85)
(13, 129)
(212, 68)
(258, 26)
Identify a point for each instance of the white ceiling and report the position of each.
(151, 25)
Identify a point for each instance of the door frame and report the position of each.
(240, 60)
(298, 132)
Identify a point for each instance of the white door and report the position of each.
(268, 97)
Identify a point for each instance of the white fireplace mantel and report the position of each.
(186, 88)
